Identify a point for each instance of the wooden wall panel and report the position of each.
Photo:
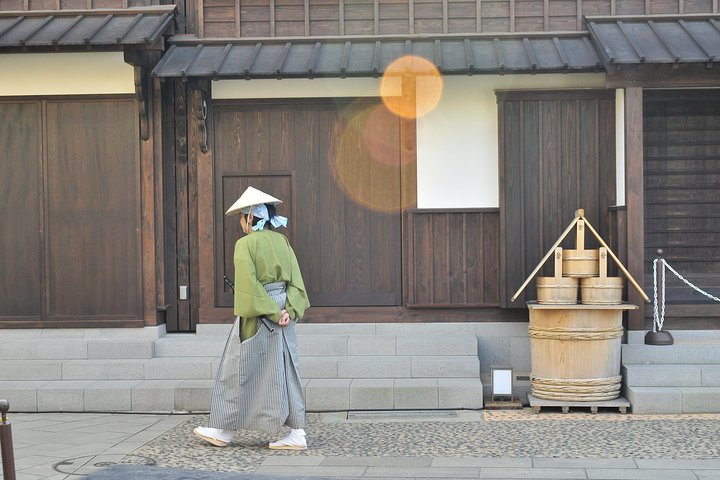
(681, 175)
(20, 210)
(93, 229)
(556, 155)
(343, 187)
(454, 258)
(630, 7)
(697, 6)
(398, 17)
(596, 7)
(324, 17)
(659, 7)
(6, 5)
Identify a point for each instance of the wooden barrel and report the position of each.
(557, 290)
(601, 291)
(575, 352)
(580, 263)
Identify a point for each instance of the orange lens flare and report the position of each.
(365, 158)
(415, 101)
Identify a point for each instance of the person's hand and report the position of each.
(284, 318)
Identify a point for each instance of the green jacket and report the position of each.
(260, 258)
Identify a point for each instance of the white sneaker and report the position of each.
(294, 441)
(215, 436)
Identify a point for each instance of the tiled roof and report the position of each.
(85, 28)
(362, 57)
(657, 39)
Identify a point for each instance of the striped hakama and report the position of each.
(258, 383)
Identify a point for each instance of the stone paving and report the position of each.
(456, 444)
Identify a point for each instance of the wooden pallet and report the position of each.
(537, 403)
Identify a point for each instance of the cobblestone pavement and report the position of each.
(409, 445)
(495, 434)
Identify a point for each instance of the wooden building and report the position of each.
(128, 128)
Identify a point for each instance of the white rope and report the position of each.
(659, 317)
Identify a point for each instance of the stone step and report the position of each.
(686, 354)
(192, 368)
(41, 348)
(375, 366)
(205, 368)
(194, 395)
(176, 345)
(679, 336)
(673, 400)
(188, 345)
(664, 375)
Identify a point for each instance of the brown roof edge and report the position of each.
(192, 39)
(669, 17)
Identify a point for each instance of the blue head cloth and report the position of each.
(261, 212)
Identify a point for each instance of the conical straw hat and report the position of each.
(251, 196)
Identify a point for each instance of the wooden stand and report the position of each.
(537, 403)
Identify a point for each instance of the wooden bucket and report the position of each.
(601, 290)
(575, 352)
(557, 290)
(580, 263)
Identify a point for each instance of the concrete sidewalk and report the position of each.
(378, 445)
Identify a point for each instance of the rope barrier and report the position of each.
(659, 313)
(579, 389)
(562, 333)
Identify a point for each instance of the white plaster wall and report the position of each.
(457, 143)
(620, 147)
(65, 74)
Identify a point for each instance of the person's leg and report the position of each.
(295, 440)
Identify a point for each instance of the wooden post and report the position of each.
(580, 235)
(558, 262)
(6, 444)
(634, 198)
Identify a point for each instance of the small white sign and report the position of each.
(502, 382)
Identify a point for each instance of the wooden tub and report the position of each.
(580, 263)
(575, 351)
(557, 290)
(601, 290)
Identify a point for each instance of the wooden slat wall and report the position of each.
(92, 243)
(276, 18)
(682, 201)
(557, 154)
(71, 187)
(454, 258)
(21, 248)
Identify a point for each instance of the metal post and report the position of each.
(661, 337)
(6, 446)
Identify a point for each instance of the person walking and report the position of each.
(258, 382)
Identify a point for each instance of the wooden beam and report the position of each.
(408, 186)
(634, 197)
